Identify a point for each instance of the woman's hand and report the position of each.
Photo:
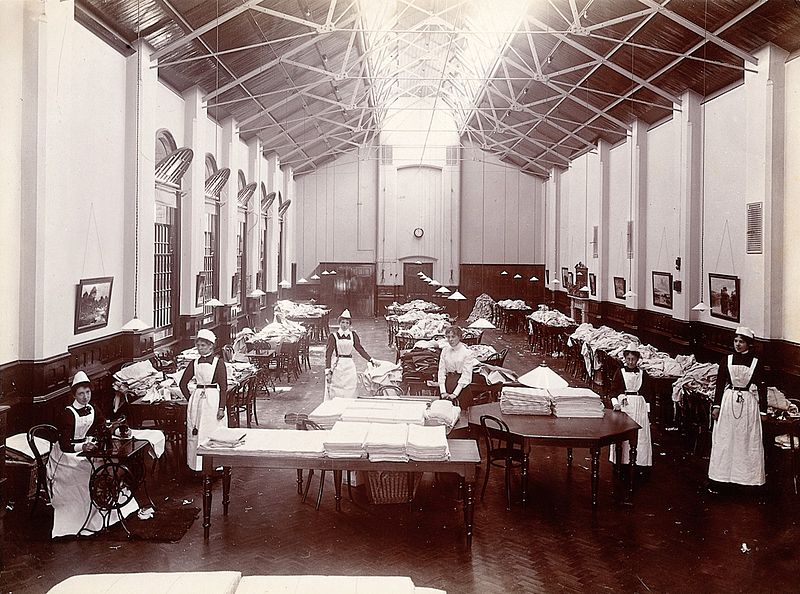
(88, 446)
(220, 414)
(715, 413)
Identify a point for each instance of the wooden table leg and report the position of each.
(569, 456)
(337, 485)
(469, 510)
(226, 489)
(206, 504)
(595, 452)
(525, 461)
(299, 481)
(633, 442)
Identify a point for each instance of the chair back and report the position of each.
(227, 353)
(50, 434)
(501, 359)
(307, 425)
(496, 434)
(389, 390)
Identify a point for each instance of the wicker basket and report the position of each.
(391, 487)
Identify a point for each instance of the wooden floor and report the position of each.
(675, 538)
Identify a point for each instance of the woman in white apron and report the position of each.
(630, 384)
(341, 376)
(737, 449)
(69, 473)
(206, 410)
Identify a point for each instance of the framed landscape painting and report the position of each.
(592, 284)
(619, 287)
(724, 296)
(662, 289)
(92, 303)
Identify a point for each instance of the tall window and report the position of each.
(171, 164)
(210, 272)
(240, 287)
(267, 200)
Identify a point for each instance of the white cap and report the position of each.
(746, 332)
(244, 331)
(345, 314)
(632, 347)
(80, 378)
(208, 335)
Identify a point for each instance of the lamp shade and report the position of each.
(324, 273)
(442, 289)
(584, 288)
(543, 377)
(533, 279)
(333, 272)
(435, 283)
(517, 275)
(482, 323)
(629, 293)
(314, 277)
(214, 303)
(504, 273)
(285, 284)
(256, 293)
(700, 307)
(301, 281)
(456, 296)
(135, 325)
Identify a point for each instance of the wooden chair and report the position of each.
(50, 434)
(170, 417)
(501, 452)
(242, 400)
(304, 352)
(389, 391)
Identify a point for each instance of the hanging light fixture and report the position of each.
(314, 277)
(701, 306)
(533, 279)
(442, 290)
(135, 324)
(324, 273)
(256, 293)
(301, 281)
(504, 273)
(332, 273)
(482, 324)
(517, 276)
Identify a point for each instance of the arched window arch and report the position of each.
(170, 165)
(241, 285)
(215, 181)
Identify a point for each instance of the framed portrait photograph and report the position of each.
(565, 276)
(619, 287)
(92, 303)
(592, 283)
(662, 289)
(200, 291)
(723, 296)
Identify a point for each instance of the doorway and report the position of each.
(415, 287)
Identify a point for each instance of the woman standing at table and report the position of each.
(206, 411)
(737, 450)
(631, 385)
(341, 376)
(69, 472)
(455, 364)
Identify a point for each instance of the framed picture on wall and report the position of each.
(662, 289)
(92, 303)
(619, 287)
(565, 276)
(724, 296)
(570, 279)
(547, 277)
(235, 285)
(592, 283)
(200, 291)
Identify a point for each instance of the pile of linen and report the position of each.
(139, 376)
(517, 400)
(425, 328)
(300, 310)
(552, 317)
(513, 304)
(700, 377)
(483, 308)
(427, 443)
(385, 411)
(346, 440)
(329, 411)
(442, 412)
(386, 442)
(576, 402)
(415, 304)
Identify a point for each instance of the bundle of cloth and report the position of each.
(418, 304)
(483, 308)
(425, 328)
(292, 309)
(137, 377)
(416, 315)
(553, 317)
(700, 377)
(381, 373)
(513, 304)
(442, 412)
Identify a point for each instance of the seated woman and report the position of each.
(240, 346)
(631, 385)
(455, 365)
(69, 473)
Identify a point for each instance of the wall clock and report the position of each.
(418, 232)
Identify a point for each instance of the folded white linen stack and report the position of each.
(576, 402)
(387, 442)
(427, 443)
(273, 442)
(385, 411)
(442, 412)
(330, 411)
(224, 438)
(346, 440)
(515, 400)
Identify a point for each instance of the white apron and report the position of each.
(69, 476)
(737, 449)
(201, 415)
(636, 407)
(343, 379)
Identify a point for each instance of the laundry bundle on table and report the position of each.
(442, 412)
(427, 443)
(329, 411)
(385, 411)
(516, 400)
(387, 442)
(346, 440)
(576, 402)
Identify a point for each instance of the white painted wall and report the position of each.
(791, 219)
(619, 212)
(170, 114)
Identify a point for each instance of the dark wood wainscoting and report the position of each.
(486, 278)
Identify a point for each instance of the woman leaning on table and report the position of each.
(206, 410)
(737, 449)
(455, 364)
(69, 471)
(342, 376)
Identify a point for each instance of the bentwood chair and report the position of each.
(49, 434)
(501, 452)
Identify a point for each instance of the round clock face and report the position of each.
(418, 232)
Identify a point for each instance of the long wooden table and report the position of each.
(566, 432)
(464, 461)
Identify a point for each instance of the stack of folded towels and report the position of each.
(387, 442)
(225, 438)
(576, 402)
(442, 412)
(330, 411)
(346, 440)
(427, 443)
(516, 400)
(385, 411)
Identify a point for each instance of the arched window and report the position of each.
(215, 181)
(171, 164)
(240, 287)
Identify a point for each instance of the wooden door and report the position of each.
(414, 286)
(353, 288)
